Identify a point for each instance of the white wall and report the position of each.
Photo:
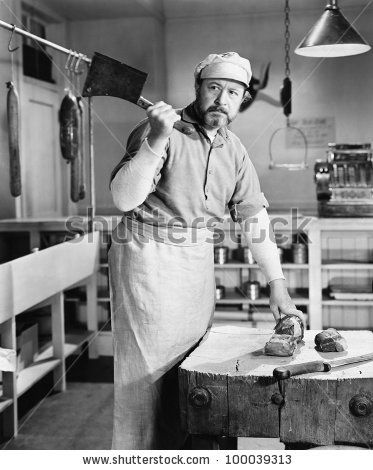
(339, 88)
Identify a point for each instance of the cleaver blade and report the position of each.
(109, 77)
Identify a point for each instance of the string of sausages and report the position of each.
(72, 141)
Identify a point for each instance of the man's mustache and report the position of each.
(217, 108)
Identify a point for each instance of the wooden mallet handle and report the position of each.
(180, 126)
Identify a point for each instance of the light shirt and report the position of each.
(194, 178)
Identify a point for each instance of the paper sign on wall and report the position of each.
(319, 131)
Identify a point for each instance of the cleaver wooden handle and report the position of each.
(285, 372)
(179, 125)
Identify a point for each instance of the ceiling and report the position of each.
(168, 9)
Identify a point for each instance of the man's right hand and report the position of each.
(162, 118)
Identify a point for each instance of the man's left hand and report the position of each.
(280, 301)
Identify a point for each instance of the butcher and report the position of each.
(174, 190)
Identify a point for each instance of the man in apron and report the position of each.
(173, 189)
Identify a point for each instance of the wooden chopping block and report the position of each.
(8, 360)
(330, 341)
(289, 330)
(217, 398)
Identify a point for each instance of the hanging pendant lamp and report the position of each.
(332, 36)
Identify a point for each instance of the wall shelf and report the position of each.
(336, 303)
(346, 265)
(238, 265)
(4, 402)
(235, 273)
(236, 298)
(342, 250)
(34, 372)
(45, 362)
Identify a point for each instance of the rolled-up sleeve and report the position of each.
(247, 199)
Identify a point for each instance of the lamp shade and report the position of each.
(332, 36)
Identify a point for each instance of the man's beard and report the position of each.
(214, 116)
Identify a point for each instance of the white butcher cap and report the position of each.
(229, 66)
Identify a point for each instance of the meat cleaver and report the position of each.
(109, 77)
(285, 372)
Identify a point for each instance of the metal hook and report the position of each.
(68, 60)
(10, 40)
(76, 69)
(88, 62)
(68, 69)
(73, 62)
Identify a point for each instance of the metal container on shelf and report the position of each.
(247, 256)
(220, 254)
(299, 251)
(251, 289)
(220, 292)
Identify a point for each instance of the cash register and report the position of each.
(344, 181)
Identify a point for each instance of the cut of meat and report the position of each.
(290, 325)
(330, 341)
(280, 345)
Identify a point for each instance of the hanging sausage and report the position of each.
(69, 127)
(13, 138)
(74, 179)
(75, 168)
(69, 117)
(82, 186)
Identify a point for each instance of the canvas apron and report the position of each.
(162, 303)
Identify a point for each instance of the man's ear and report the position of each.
(246, 101)
(247, 96)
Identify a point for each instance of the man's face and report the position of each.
(218, 101)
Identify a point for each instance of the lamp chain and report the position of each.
(285, 97)
(287, 39)
(287, 46)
